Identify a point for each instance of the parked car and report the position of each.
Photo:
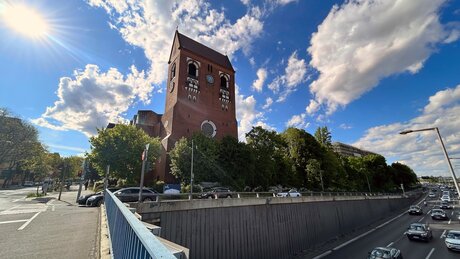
(82, 199)
(445, 205)
(419, 231)
(438, 214)
(385, 252)
(219, 192)
(289, 193)
(131, 194)
(95, 200)
(452, 240)
(28, 184)
(415, 210)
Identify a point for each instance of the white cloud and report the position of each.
(247, 115)
(294, 74)
(345, 126)
(361, 42)
(312, 107)
(259, 82)
(268, 103)
(93, 98)
(421, 151)
(298, 121)
(150, 25)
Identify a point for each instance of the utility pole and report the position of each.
(144, 160)
(62, 180)
(106, 179)
(191, 175)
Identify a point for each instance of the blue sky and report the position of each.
(365, 69)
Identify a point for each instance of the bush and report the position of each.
(157, 186)
(34, 194)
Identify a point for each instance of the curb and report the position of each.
(104, 242)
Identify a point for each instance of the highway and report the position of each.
(390, 233)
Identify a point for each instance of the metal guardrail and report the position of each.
(242, 195)
(129, 238)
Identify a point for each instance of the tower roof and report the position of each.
(200, 49)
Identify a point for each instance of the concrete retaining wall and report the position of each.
(277, 228)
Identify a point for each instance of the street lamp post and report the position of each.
(443, 149)
(191, 176)
(144, 161)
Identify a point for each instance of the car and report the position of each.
(95, 200)
(445, 198)
(28, 184)
(432, 195)
(438, 214)
(217, 192)
(415, 210)
(419, 231)
(131, 194)
(289, 193)
(83, 198)
(385, 252)
(452, 240)
(445, 205)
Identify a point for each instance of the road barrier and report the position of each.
(129, 238)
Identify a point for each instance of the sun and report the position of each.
(25, 20)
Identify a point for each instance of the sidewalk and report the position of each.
(60, 229)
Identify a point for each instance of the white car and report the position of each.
(445, 198)
(432, 195)
(453, 240)
(290, 193)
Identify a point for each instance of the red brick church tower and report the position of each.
(200, 98)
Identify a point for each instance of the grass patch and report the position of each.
(34, 194)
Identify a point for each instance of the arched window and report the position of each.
(192, 70)
(173, 70)
(223, 81)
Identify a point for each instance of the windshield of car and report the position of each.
(451, 235)
(380, 253)
(417, 227)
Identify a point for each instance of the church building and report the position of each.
(200, 97)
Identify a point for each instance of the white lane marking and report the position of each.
(12, 208)
(449, 221)
(421, 218)
(50, 202)
(28, 221)
(442, 235)
(431, 252)
(353, 240)
(323, 255)
(390, 244)
(13, 221)
(23, 198)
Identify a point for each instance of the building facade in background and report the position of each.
(348, 150)
(200, 98)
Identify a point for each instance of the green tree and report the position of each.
(121, 147)
(323, 136)
(403, 174)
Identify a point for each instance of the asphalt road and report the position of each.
(391, 234)
(46, 227)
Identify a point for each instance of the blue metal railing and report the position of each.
(129, 238)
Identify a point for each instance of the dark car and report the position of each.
(84, 198)
(96, 200)
(219, 192)
(419, 231)
(131, 194)
(445, 205)
(415, 210)
(438, 214)
(385, 252)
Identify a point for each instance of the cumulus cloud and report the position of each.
(361, 42)
(345, 126)
(93, 98)
(298, 121)
(294, 74)
(150, 25)
(247, 115)
(258, 84)
(268, 103)
(421, 151)
(313, 107)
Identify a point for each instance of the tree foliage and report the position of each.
(121, 147)
(323, 136)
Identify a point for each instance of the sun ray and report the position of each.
(25, 20)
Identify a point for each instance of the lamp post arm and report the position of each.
(448, 161)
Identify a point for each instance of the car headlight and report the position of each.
(424, 234)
